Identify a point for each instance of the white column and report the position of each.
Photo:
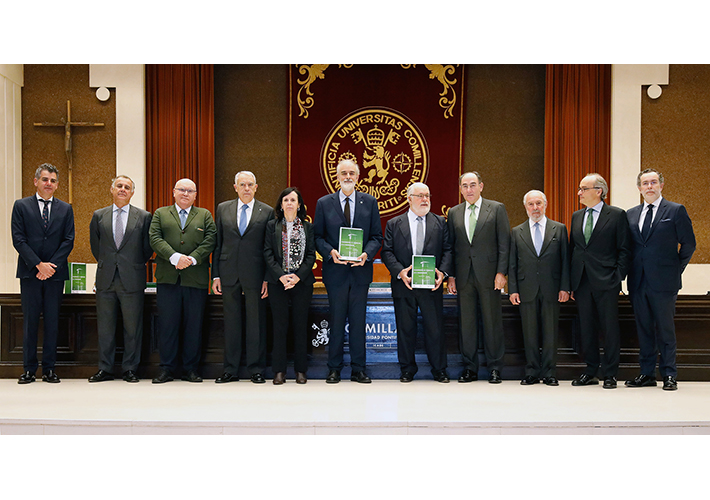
(11, 82)
(626, 96)
(129, 82)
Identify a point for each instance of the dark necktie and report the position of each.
(346, 211)
(647, 222)
(45, 213)
(589, 226)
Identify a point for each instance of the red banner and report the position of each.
(400, 123)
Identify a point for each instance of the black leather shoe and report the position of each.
(529, 380)
(670, 383)
(360, 377)
(163, 376)
(333, 377)
(494, 377)
(51, 377)
(257, 378)
(609, 383)
(192, 376)
(26, 378)
(226, 377)
(130, 376)
(641, 381)
(441, 377)
(406, 377)
(585, 379)
(301, 378)
(279, 378)
(100, 376)
(468, 376)
(550, 381)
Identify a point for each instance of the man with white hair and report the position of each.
(538, 281)
(347, 282)
(238, 267)
(183, 237)
(418, 232)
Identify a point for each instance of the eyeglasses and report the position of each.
(583, 189)
(185, 191)
(421, 196)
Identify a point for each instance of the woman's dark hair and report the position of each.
(279, 211)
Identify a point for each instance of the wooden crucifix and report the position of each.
(68, 124)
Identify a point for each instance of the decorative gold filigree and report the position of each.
(439, 71)
(313, 72)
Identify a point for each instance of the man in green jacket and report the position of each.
(183, 237)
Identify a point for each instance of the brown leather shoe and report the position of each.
(301, 378)
(279, 378)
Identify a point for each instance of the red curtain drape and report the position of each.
(179, 131)
(577, 132)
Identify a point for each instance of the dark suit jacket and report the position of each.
(488, 253)
(132, 255)
(34, 244)
(658, 257)
(328, 221)
(273, 253)
(549, 273)
(240, 257)
(196, 240)
(397, 249)
(606, 258)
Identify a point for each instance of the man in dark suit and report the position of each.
(121, 247)
(480, 237)
(418, 232)
(238, 267)
(43, 235)
(601, 250)
(538, 275)
(347, 282)
(183, 237)
(663, 242)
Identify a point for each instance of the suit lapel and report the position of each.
(601, 222)
(278, 238)
(550, 229)
(339, 209)
(107, 224)
(481, 219)
(430, 229)
(662, 209)
(130, 225)
(527, 237)
(190, 216)
(403, 224)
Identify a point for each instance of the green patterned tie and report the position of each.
(471, 222)
(589, 226)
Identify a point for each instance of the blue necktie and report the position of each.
(538, 238)
(243, 219)
(45, 213)
(183, 218)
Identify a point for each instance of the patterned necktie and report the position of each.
(537, 238)
(589, 226)
(647, 222)
(45, 213)
(346, 210)
(472, 223)
(183, 218)
(420, 237)
(118, 230)
(243, 219)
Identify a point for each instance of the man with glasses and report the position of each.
(238, 267)
(183, 237)
(480, 237)
(601, 251)
(347, 282)
(418, 232)
(663, 243)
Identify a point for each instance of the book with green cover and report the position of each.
(350, 245)
(423, 271)
(77, 279)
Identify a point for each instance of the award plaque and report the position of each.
(423, 271)
(350, 246)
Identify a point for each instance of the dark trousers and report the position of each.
(470, 296)
(347, 301)
(108, 303)
(299, 298)
(233, 329)
(431, 305)
(180, 305)
(540, 320)
(598, 313)
(654, 312)
(40, 297)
